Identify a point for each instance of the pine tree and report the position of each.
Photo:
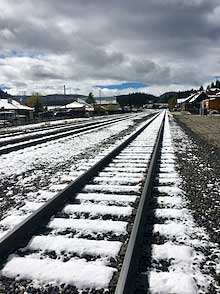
(90, 99)
(218, 84)
(201, 89)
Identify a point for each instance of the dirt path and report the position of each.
(206, 128)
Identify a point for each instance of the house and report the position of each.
(77, 108)
(193, 102)
(107, 105)
(212, 104)
(15, 110)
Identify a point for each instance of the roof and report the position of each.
(216, 96)
(182, 100)
(10, 104)
(193, 97)
(78, 105)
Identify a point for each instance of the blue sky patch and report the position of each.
(5, 87)
(122, 86)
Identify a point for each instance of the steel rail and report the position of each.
(56, 136)
(53, 131)
(126, 280)
(21, 233)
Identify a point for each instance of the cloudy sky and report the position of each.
(117, 45)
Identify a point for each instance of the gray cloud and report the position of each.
(158, 42)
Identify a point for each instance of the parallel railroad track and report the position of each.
(88, 235)
(33, 128)
(18, 143)
(30, 130)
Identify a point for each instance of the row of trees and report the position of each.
(135, 99)
(215, 84)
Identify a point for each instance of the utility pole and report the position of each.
(100, 100)
(64, 91)
(100, 96)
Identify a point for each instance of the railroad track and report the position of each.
(47, 125)
(32, 129)
(14, 144)
(87, 236)
(166, 256)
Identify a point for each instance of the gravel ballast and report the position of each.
(198, 166)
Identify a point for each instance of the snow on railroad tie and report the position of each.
(112, 189)
(58, 187)
(137, 151)
(96, 209)
(115, 174)
(41, 195)
(80, 246)
(87, 225)
(134, 156)
(167, 149)
(128, 165)
(167, 169)
(13, 220)
(116, 198)
(167, 156)
(177, 254)
(168, 161)
(171, 229)
(92, 275)
(171, 191)
(170, 201)
(140, 145)
(125, 169)
(168, 175)
(172, 283)
(31, 206)
(133, 161)
(117, 181)
(171, 213)
(167, 165)
(168, 181)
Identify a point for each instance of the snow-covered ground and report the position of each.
(26, 172)
(90, 230)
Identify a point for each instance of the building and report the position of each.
(193, 102)
(107, 105)
(77, 108)
(212, 104)
(14, 110)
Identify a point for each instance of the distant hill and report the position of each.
(136, 99)
(178, 95)
(166, 96)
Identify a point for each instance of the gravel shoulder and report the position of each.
(198, 166)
